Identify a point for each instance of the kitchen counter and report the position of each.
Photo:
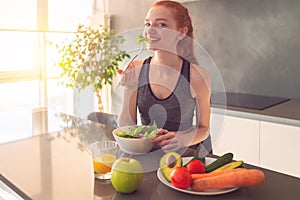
(277, 187)
(54, 165)
(287, 112)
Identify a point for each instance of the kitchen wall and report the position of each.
(254, 43)
(128, 14)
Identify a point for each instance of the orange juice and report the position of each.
(103, 163)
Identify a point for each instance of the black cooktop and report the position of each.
(249, 101)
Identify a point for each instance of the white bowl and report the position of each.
(132, 145)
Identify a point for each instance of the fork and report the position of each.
(136, 55)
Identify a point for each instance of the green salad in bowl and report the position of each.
(140, 131)
(135, 139)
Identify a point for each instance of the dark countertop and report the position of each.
(54, 165)
(277, 187)
(287, 112)
(51, 176)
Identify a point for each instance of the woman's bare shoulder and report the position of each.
(198, 72)
(200, 78)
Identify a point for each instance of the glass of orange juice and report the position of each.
(104, 155)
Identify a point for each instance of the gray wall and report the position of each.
(128, 14)
(254, 43)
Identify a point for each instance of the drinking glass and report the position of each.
(104, 155)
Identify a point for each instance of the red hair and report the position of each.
(183, 19)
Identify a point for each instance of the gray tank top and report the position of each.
(173, 113)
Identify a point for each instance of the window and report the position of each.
(18, 14)
(28, 77)
(64, 15)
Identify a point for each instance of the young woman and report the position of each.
(168, 88)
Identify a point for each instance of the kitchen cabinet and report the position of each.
(237, 135)
(280, 148)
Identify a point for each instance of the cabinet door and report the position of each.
(238, 135)
(280, 148)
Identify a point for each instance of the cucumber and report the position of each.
(228, 166)
(223, 160)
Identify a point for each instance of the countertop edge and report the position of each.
(260, 115)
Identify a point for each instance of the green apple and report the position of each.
(126, 175)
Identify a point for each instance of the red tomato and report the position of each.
(181, 178)
(196, 167)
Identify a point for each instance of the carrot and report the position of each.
(210, 174)
(229, 179)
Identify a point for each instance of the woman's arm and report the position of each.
(201, 90)
(128, 114)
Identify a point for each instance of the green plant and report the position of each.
(141, 39)
(90, 58)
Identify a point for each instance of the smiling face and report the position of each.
(161, 28)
